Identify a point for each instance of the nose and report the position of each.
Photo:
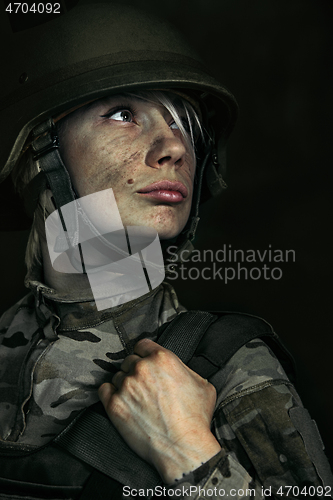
(166, 149)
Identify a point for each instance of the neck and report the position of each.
(63, 282)
(106, 288)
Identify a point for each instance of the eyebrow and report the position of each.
(128, 98)
(122, 96)
(107, 101)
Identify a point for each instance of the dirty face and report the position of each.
(135, 147)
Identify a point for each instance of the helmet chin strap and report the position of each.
(46, 154)
(184, 240)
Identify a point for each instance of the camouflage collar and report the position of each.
(81, 311)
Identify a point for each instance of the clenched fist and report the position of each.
(163, 410)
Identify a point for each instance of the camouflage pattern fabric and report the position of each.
(55, 353)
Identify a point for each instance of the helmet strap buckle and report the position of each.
(41, 150)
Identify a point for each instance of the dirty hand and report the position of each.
(162, 409)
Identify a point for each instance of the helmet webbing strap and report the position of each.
(211, 170)
(214, 178)
(188, 235)
(45, 149)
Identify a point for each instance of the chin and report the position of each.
(163, 220)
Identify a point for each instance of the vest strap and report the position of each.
(91, 437)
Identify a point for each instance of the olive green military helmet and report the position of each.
(92, 51)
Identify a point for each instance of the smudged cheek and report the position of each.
(122, 175)
(189, 168)
(112, 165)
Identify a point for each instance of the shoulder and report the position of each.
(229, 332)
(232, 332)
(18, 321)
(253, 367)
(17, 333)
(240, 351)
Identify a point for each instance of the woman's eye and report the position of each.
(174, 125)
(123, 116)
(185, 124)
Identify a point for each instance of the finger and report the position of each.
(105, 392)
(129, 362)
(118, 379)
(145, 347)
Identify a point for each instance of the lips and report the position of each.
(166, 191)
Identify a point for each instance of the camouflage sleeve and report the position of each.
(222, 476)
(271, 447)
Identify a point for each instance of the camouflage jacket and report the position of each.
(55, 353)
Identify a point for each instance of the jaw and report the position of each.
(167, 219)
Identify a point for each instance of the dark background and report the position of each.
(276, 57)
